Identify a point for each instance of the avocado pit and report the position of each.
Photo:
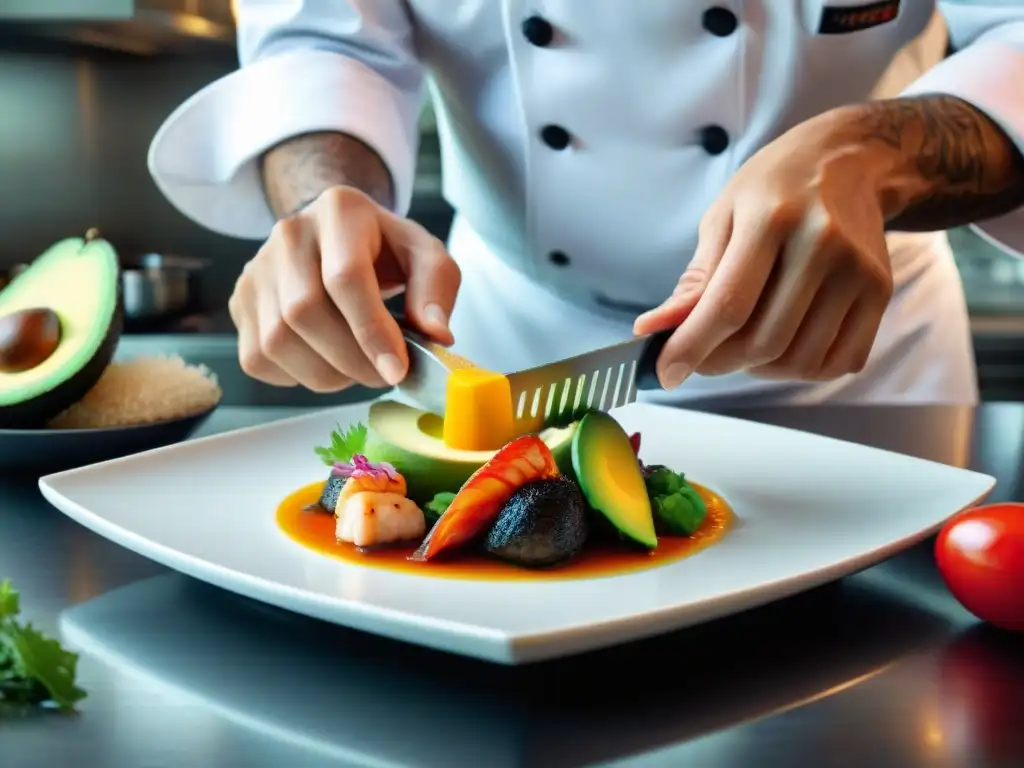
(27, 338)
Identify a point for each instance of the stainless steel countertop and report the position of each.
(882, 669)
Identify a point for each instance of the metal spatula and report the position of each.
(549, 395)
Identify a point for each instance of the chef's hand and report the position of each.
(791, 275)
(309, 307)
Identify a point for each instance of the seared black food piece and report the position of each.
(543, 524)
(329, 496)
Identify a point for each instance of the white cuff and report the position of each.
(989, 74)
(204, 157)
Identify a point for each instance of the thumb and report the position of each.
(432, 283)
(692, 283)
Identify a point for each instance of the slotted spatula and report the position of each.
(548, 395)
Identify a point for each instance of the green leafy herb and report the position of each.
(344, 444)
(678, 508)
(34, 669)
(662, 481)
(437, 506)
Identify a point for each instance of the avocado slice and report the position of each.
(610, 477)
(413, 440)
(77, 283)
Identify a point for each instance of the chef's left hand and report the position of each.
(791, 275)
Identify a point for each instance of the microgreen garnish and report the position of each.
(360, 466)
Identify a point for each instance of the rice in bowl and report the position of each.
(143, 390)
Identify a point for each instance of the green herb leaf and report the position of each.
(663, 481)
(680, 513)
(34, 668)
(437, 506)
(9, 603)
(344, 444)
(46, 661)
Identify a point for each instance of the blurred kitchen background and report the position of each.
(84, 85)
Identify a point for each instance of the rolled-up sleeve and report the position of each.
(306, 65)
(987, 71)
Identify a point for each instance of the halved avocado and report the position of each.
(611, 479)
(413, 441)
(77, 282)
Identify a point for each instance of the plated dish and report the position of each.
(808, 510)
(572, 501)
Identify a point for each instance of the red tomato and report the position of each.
(980, 554)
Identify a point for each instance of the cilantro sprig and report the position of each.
(34, 669)
(344, 444)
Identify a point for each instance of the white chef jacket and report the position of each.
(582, 140)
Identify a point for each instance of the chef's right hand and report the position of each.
(309, 307)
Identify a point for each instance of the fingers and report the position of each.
(284, 348)
(242, 307)
(804, 356)
(856, 337)
(784, 303)
(729, 300)
(350, 241)
(715, 231)
(432, 276)
(308, 311)
(310, 306)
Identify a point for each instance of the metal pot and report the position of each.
(155, 287)
(161, 287)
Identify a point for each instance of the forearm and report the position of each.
(296, 171)
(945, 163)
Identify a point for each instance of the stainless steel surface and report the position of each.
(140, 27)
(993, 279)
(882, 670)
(78, 124)
(68, 10)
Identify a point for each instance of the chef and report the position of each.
(770, 179)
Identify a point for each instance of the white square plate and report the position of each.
(810, 509)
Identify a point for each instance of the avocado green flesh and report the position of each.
(609, 475)
(411, 440)
(80, 282)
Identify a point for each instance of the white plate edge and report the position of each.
(511, 648)
(502, 647)
(206, 439)
(663, 620)
(281, 596)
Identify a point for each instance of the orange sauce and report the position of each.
(315, 530)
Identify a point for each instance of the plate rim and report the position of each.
(502, 646)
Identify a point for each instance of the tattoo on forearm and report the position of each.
(296, 171)
(966, 167)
